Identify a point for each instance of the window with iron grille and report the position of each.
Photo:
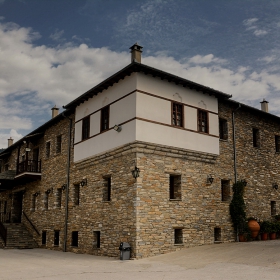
(85, 128)
(177, 114)
(256, 137)
(77, 194)
(58, 144)
(178, 236)
(277, 143)
(48, 149)
(223, 129)
(58, 198)
(202, 121)
(225, 189)
(104, 119)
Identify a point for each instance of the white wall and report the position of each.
(150, 108)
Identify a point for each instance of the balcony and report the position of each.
(29, 170)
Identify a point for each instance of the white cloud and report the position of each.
(57, 35)
(250, 21)
(5, 136)
(34, 78)
(260, 32)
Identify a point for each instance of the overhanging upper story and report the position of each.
(149, 105)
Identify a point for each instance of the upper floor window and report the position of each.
(85, 128)
(58, 144)
(256, 137)
(202, 121)
(277, 143)
(174, 186)
(48, 149)
(225, 190)
(223, 129)
(105, 118)
(107, 188)
(177, 114)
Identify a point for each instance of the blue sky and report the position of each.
(52, 51)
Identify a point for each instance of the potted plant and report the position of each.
(244, 233)
(273, 230)
(264, 229)
(237, 207)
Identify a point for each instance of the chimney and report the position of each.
(136, 51)
(54, 111)
(10, 142)
(264, 105)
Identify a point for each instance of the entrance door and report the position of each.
(17, 207)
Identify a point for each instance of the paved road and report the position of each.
(252, 260)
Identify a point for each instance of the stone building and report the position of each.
(144, 157)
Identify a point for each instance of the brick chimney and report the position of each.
(54, 111)
(264, 105)
(136, 51)
(10, 142)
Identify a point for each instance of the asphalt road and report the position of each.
(250, 260)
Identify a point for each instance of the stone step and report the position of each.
(18, 237)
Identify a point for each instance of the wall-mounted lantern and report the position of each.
(275, 186)
(27, 149)
(83, 182)
(135, 172)
(49, 191)
(118, 128)
(64, 187)
(36, 194)
(210, 179)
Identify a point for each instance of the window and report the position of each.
(58, 144)
(85, 128)
(56, 238)
(202, 121)
(77, 194)
(177, 114)
(225, 189)
(58, 198)
(48, 149)
(104, 118)
(96, 241)
(256, 137)
(44, 237)
(178, 236)
(223, 129)
(273, 208)
(46, 201)
(217, 234)
(175, 186)
(107, 188)
(277, 143)
(75, 237)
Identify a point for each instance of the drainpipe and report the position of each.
(234, 144)
(68, 180)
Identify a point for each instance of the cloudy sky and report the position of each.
(52, 51)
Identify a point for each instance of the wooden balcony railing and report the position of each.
(32, 166)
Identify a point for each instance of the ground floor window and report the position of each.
(217, 234)
(44, 237)
(75, 238)
(56, 238)
(273, 208)
(96, 241)
(178, 236)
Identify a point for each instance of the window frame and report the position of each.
(105, 118)
(56, 239)
(175, 192)
(58, 144)
(178, 236)
(256, 137)
(75, 238)
(200, 119)
(107, 188)
(173, 123)
(223, 129)
(225, 188)
(85, 128)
